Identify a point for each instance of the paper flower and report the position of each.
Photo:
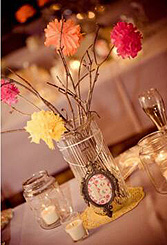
(24, 13)
(71, 36)
(127, 39)
(47, 126)
(9, 92)
(41, 3)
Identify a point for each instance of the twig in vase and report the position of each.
(36, 93)
(90, 93)
(83, 78)
(94, 43)
(74, 96)
(22, 98)
(64, 110)
(13, 131)
(31, 103)
(23, 113)
(68, 74)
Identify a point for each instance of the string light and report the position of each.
(80, 16)
(100, 8)
(91, 15)
(74, 64)
(55, 7)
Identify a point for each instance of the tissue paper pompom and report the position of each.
(9, 92)
(47, 126)
(70, 39)
(127, 39)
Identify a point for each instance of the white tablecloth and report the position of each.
(144, 225)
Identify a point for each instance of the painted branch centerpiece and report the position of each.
(76, 132)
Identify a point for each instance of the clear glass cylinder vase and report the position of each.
(153, 155)
(86, 146)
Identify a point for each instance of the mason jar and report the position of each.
(45, 199)
(153, 155)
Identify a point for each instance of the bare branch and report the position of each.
(63, 91)
(13, 131)
(29, 101)
(23, 113)
(106, 56)
(83, 77)
(94, 44)
(35, 92)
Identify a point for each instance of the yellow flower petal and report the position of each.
(47, 126)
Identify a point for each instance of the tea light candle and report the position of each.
(162, 156)
(76, 229)
(130, 161)
(49, 215)
(165, 174)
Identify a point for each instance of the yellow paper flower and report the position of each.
(47, 126)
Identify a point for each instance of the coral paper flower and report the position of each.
(24, 13)
(127, 39)
(41, 3)
(9, 92)
(71, 36)
(47, 126)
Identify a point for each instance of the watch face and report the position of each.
(100, 189)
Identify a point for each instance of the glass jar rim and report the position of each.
(32, 186)
(153, 139)
(148, 92)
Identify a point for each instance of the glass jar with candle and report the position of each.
(153, 155)
(42, 193)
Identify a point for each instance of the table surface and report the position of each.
(144, 225)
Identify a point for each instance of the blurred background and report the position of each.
(120, 82)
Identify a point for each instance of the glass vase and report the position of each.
(153, 155)
(84, 148)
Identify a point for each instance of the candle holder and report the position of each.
(73, 225)
(42, 193)
(153, 155)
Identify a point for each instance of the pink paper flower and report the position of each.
(9, 93)
(127, 39)
(71, 36)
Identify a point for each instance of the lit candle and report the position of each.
(162, 156)
(132, 161)
(76, 230)
(49, 215)
(74, 64)
(165, 174)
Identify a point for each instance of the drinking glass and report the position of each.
(153, 105)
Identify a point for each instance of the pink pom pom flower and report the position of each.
(70, 39)
(127, 39)
(9, 92)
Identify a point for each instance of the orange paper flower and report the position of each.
(24, 13)
(71, 36)
(41, 3)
